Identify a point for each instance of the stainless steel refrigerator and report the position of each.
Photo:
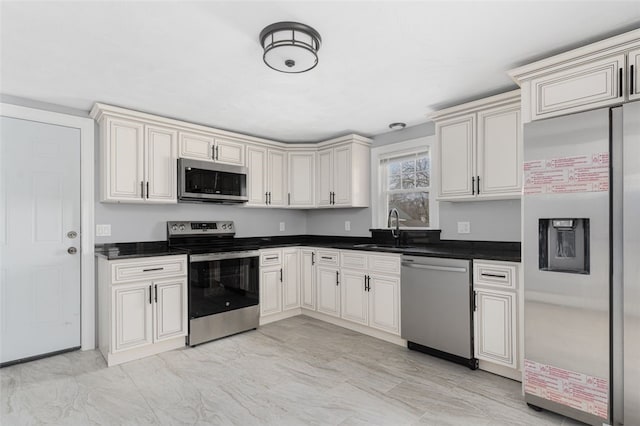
(581, 256)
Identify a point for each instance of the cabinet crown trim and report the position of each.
(101, 110)
(600, 49)
(512, 97)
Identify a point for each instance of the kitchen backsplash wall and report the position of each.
(136, 222)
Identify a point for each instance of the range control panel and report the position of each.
(200, 228)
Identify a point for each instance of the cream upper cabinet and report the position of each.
(138, 162)
(122, 155)
(499, 153)
(196, 146)
(456, 143)
(480, 149)
(597, 75)
(257, 176)
(343, 173)
(208, 147)
(301, 178)
(592, 85)
(325, 177)
(634, 75)
(277, 177)
(160, 164)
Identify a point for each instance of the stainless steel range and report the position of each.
(223, 281)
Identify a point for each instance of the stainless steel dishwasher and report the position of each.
(437, 308)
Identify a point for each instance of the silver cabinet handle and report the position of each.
(72, 250)
(434, 267)
(152, 269)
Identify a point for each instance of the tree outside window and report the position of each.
(406, 187)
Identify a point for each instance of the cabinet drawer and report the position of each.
(326, 257)
(353, 259)
(386, 264)
(149, 268)
(270, 257)
(578, 89)
(503, 275)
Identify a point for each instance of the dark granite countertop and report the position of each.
(114, 251)
(487, 250)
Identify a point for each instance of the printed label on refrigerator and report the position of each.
(562, 175)
(575, 390)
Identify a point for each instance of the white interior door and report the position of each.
(40, 207)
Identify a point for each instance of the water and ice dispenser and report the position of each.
(563, 245)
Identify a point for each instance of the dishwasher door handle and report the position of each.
(434, 267)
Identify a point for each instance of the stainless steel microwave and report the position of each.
(211, 182)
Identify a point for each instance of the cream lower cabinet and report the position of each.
(371, 295)
(328, 282)
(496, 314)
(480, 149)
(279, 280)
(308, 278)
(142, 306)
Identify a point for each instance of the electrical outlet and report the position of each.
(103, 230)
(281, 226)
(464, 227)
(347, 225)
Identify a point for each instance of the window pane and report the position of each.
(394, 168)
(394, 182)
(409, 181)
(413, 208)
(422, 163)
(408, 167)
(422, 179)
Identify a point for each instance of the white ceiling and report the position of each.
(380, 62)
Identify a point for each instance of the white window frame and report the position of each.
(379, 206)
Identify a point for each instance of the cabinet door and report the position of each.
(328, 291)
(342, 175)
(325, 177)
(291, 284)
(256, 176)
(634, 74)
(132, 316)
(196, 146)
(579, 88)
(308, 279)
(354, 304)
(229, 152)
(277, 177)
(123, 160)
(456, 144)
(499, 151)
(384, 303)
(495, 322)
(170, 308)
(270, 291)
(302, 173)
(160, 165)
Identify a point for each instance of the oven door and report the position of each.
(221, 282)
(210, 182)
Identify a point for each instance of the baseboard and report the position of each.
(279, 316)
(391, 338)
(500, 370)
(145, 351)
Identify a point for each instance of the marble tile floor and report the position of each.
(298, 371)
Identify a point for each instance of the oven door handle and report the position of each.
(194, 258)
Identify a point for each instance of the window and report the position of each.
(404, 182)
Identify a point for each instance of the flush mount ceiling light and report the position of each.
(290, 47)
(397, 126)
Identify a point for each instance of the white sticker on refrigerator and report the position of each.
(580, 173)
(576, 390)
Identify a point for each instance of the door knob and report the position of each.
(72, 250)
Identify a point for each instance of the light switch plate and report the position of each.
(464, 227)
(281, 226)
(103, 230)
(347, 225)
